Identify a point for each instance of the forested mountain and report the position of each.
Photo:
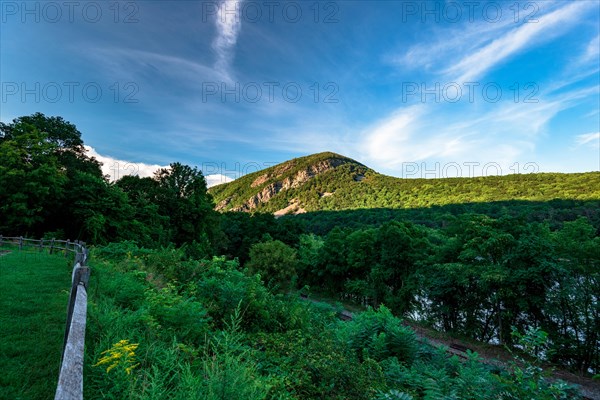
(328, 181)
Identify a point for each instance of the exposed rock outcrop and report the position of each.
(292, 208)
(273, 188)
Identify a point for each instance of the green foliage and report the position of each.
(169, 312)
(308, 364)
(31, 181)
(349, 192)
(48, 183)
(228, 374)
(234, 195)
(472, 256)
(393, 395)
(224, 335)
(181, 195)
(308, 256)
(526, 379)
(275, 262)
(119, 251)
(378, 335)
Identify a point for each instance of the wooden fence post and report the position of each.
(75, 249)
(20, 242)
(51, 245)
(67, 247)
(0, 240)
(41, 245)
(70, 381)
(80, 275)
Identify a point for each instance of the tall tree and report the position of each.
(274, 261)
(31, 180)
(182, 195)
(62, 136)
(41, 160)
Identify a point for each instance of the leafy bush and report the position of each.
(172, 314)
(377, 334)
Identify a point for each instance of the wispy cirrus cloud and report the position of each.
(475, 65)
(502, 133)
(505, 131)
(588, 139)
(469, 51)
(592, 51)
(142, 67)
(229, 24)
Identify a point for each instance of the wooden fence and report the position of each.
(70, 381)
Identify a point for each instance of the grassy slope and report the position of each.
(33, 298)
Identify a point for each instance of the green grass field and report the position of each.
(34, 290)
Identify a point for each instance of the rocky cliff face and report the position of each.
(274, 183)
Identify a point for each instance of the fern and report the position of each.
(393, 395)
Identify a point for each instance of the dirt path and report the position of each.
(491, 355)
(499, 357)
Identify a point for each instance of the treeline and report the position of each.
(50, 186)
(477, 277)
(553, 212)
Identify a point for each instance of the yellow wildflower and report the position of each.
(121, 353)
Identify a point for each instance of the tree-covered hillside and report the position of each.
(351, 185)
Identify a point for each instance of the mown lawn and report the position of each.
(34, 290)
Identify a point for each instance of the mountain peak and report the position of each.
(278, 184)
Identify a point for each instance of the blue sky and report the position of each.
(410, 88)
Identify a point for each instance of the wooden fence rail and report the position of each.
(70, 380)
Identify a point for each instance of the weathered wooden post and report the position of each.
(41, 245)
(80, 275)
(70, 380)
(84, 253)
(20, 242)
(52, 246)
(76, 249)
(67, 247)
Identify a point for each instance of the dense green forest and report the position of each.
(188, 302)
(327, 181)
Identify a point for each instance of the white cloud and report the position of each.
(217, 179)
(448, 44)
(473, 49)
(501, 134)
(590, 139)
(476, 64)
(592, 51)
(116, 169)
(411, 138)
(143, 67)
(229, 23)
(387, 140)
